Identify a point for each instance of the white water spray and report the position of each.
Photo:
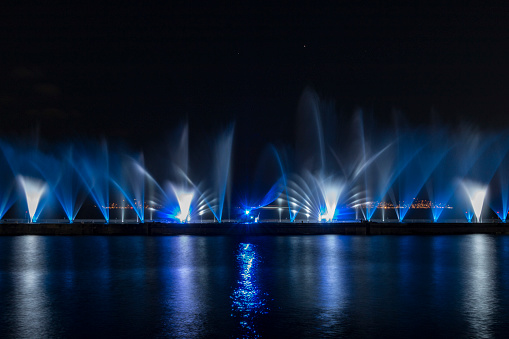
(34, 189)
(476, 193)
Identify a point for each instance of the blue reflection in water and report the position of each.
(248, 299)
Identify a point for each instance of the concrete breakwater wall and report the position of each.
(252, 229)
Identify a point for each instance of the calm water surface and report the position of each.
(302, 286)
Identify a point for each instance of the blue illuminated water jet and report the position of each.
(7, 185)
(268, 184)
(423, 159)
(93, 167)
(131, 183)
(220, 180)
(338, 170)
(500, 204)
(63, 180)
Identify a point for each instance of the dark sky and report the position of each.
(136, 71)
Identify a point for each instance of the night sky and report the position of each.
(136, 72)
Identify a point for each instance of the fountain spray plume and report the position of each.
(34, 189)
(330, 189)
(63, 181)
(268, 184)
(92, 165)
(501, 187)
(216, 183)
(184, 199)
(476, 193)
(130, 181)
(379, 168)
(22, 164)
(462, 151)
(180, 192)
(495, 148)
(7, 196)
(419, 159)
(318, 189)
(222, 168)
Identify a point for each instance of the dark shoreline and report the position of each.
(154, 229)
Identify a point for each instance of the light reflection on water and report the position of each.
(331, 284)
(32, 311)
(248, 301)
(186, 286)
(220, 287)
(479, 293)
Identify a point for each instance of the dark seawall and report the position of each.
(154, 228)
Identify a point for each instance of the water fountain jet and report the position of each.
(34, 189)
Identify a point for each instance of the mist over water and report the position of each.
(305, 286)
